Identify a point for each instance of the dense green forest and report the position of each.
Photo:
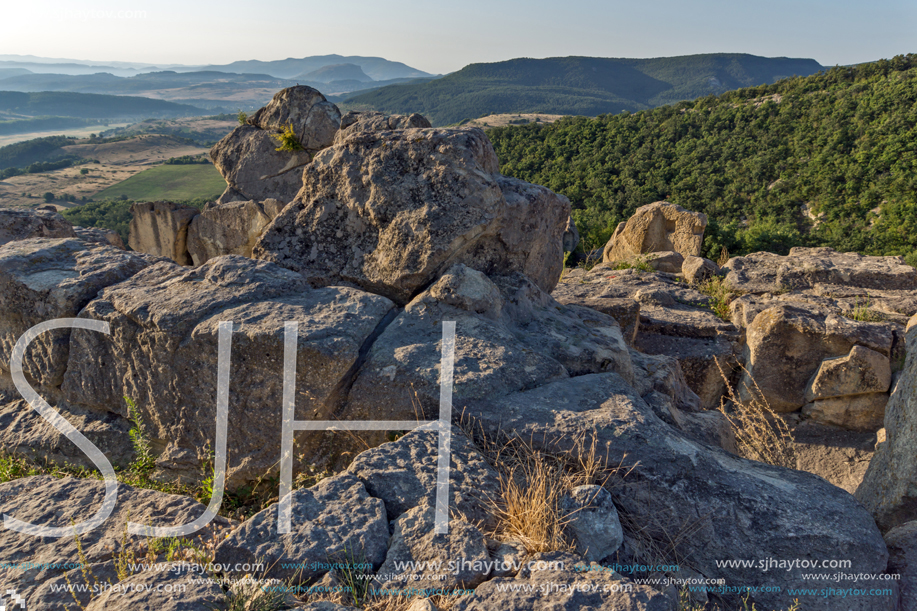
(829, 159)
(577, 85)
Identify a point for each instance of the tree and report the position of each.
(49, 197)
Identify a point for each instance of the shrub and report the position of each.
(288, 139)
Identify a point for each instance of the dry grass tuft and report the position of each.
(761, 434)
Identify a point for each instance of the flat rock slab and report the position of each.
(838, 455)
(26, 224)
(403, 474)
(49, 501)
(162, 352)
(734, 504)
(174, 588)
(47, 278)
(335, 521)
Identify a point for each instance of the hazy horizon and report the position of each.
(441, 39)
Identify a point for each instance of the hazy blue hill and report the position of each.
(90, 106)
(377, 68)
(335, 72)
(578, 85)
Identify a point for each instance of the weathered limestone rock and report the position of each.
(669, 262)
(414, 541)
(698, 269)
(623, 309)
(888, 488)
(764, 272)
(586, 589)
(174, 588)
(54, 594)
(54, 502)
(373, 121)
(162, 352)
(764, 511)
(657, 227)
(232, 228)
(248, 160)
(902, 559)
(99, 236)
(47, 278)
(391, 211)
(861, 371)
(334, 521)
(161, 228)
(786, 345)
(403, 474)
(855, 412)
(593, 521)
(510, 336)
(26, 224)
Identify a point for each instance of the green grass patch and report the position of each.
(170, 183)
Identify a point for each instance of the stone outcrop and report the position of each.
(25, 224)
(593, 521)
(902, 559)
(99, 236)
(888, 488)
(164, 324)
(697, 269)
(390, 211)
(248, 157)
(161, 228)
(656, 227)
(373, 121)
(571, 236)
(231, 228)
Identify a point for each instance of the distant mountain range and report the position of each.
(577, 85)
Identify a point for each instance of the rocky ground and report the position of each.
(616, 434)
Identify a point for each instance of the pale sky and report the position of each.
(442, 37)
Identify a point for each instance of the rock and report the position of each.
(161, 228)
(571, 236)
(60, 593)
(666, 261)
(458, 559)
(593, 520)
(174, 588)
(422, 604)
(324, 605)
(332, 522)
(372, 121)
(164, 324)
(48, 278)
(764, 272)
(508, 557)
(862, 371)
(698, 269)
(227, 229)
(26, 224)
(624, 310)
(99, 235)
(840, 456)
(662, 374)
(902, 559)
(888, 488)
(657, 227)
(510, 336)
(403, 474)
(560, 581)
(248, 160)
(259, 594)
(49, 501)
(787, 343)
(738, 504)
(855, 412)
(24, 432)
(391, 211)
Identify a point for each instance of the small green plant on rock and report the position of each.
(288, 139)
(144, 461)
(720, 294)
(242, 117)
(862, 313)
(637, 263)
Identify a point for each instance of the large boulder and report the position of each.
(47, 278)
(161, 228)
(60, 502)
(334, 522)
(231, 228)
(25, 224)
(902, 560)
(390, 211)
(656, 227)
(889, 488)
(248, 157)
(666, 482)
(374, 121)
(765, 272)
(787, 343)
(162, 352)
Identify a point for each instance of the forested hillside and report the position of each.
(829, 159)
(578, 85)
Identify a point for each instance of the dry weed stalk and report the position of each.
(761, 434)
